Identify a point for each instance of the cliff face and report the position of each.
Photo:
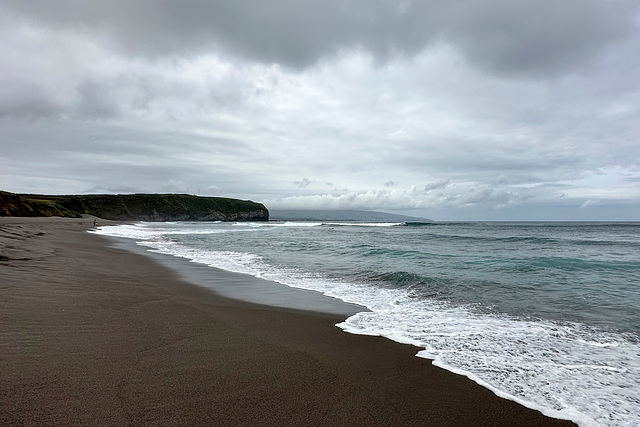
(135, 207)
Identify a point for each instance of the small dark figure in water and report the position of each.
(95, 222)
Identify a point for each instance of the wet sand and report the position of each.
(92, 334)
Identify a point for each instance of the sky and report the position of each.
(456, 110)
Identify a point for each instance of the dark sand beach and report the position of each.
(92, 334)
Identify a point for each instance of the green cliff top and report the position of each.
(134, 207)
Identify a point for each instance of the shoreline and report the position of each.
(242, 287)
(97, 335)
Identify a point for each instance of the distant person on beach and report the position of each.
(95, 222)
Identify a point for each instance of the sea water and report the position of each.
(546, 314)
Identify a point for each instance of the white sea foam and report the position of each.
(566, 371)
(277, 224)
(364, 224)
(299, 224)
(316, 224)
(539, 364)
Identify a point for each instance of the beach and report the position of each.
(93, 334)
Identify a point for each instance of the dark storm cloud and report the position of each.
(525, 37)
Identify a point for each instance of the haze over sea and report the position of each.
(547, 314)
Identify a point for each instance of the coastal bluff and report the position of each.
(133, 207)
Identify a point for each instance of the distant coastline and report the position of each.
(341, 215)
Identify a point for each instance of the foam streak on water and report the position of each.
(565, 368)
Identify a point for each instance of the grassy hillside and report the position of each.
(134, 207)
(15, 205)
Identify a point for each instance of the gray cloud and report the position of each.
(529, 37)
(436, 184)
(537, 37)
(96, 100)
(31, 102)
(305, 182)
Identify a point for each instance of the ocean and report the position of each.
(546, 314)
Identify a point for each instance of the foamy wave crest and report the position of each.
(135, 231)
(364, 224)
(550, 367)
(236, 262)
(277, 224)
(316, 224)
(145, 231)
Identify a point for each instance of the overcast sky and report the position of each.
(457, 109)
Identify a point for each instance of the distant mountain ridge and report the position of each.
(134, 207)
(341, 215)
